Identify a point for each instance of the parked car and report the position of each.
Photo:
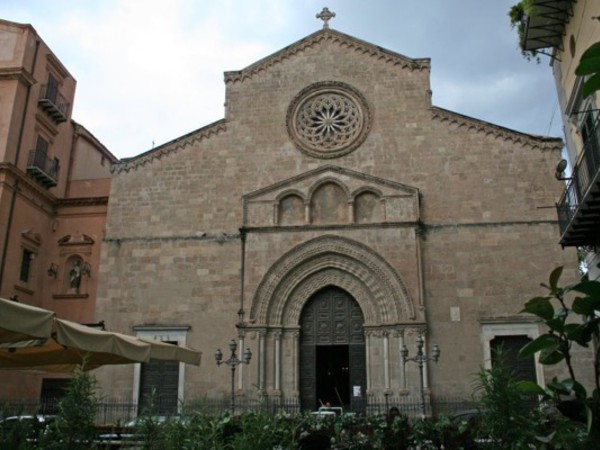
(131, 427)
(27, 427)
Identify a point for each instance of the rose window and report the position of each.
(328, 120)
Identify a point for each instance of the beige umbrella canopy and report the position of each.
(171, 352)
(68, 345)
(20, 323)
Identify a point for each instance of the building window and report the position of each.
(52, 88)
(507, 348)
(160, 383)
(511, 337)
(26, 260)
(53, 390)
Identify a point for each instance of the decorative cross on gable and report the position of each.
(326, 16)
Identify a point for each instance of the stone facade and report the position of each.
(331, 168)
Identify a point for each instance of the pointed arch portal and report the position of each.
(325, 261)
(323, 294)
(332, 351)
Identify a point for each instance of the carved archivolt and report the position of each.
(331, 261)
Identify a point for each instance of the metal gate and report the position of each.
(332, 317)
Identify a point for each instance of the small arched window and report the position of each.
(329, 204)
(291, 210)
(367, 208)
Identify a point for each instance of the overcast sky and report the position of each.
(149, 71)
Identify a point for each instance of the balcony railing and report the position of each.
(43, 169)
(54, 103)
(579, 207)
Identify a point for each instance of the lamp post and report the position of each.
(421, 358)
(233, 362)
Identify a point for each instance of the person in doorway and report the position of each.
(392, 414)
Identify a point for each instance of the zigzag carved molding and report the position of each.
(317, 38)
(170, 147)
(479, 126)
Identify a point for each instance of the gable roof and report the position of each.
(324, 35)
(507, 134)
(362, 47)
(127, 164)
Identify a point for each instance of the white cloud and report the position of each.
(151, 70)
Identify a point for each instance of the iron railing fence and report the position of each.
(43, 166)
(584, 173)
(54, 102)
(121, 411)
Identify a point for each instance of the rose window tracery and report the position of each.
(328, 120)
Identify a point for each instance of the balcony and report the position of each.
(579, 207)
(54, 103)
(43, 169)
(546, 27)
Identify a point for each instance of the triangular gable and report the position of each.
(127, 164)
(400, 201)
(327, 35)
(499, 132)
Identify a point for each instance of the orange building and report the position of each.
(54, 187)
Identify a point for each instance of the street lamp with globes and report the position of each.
(421, 358)
(233, 362)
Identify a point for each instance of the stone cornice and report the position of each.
(506, 134)
(23, 178)
(327, 35)
(80, 130)
(82, 201)
(125, 165)
(17, 73)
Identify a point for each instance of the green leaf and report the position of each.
(554, 277)
(591, 85)
(589, 288)
(546, 439)
(592, 51)
(529, 387)
(541, 307)
(549, 357)
(559, 387)
(585, 305)
(545, 341)
(579, 333)
(557, 324)
(579, 390)
(588, 66)
(572, 385)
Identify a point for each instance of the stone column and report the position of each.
(296, 361)
(426, 363)
(400, 335)
(277, 336)
(262, 360)
(242, 335)
(307, 211)
(368, 358)
(386, 359)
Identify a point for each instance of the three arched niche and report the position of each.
(330, 203)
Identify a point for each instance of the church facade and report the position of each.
(331, 218)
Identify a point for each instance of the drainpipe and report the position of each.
(22, 129)
(243, 234)
(7, 234)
